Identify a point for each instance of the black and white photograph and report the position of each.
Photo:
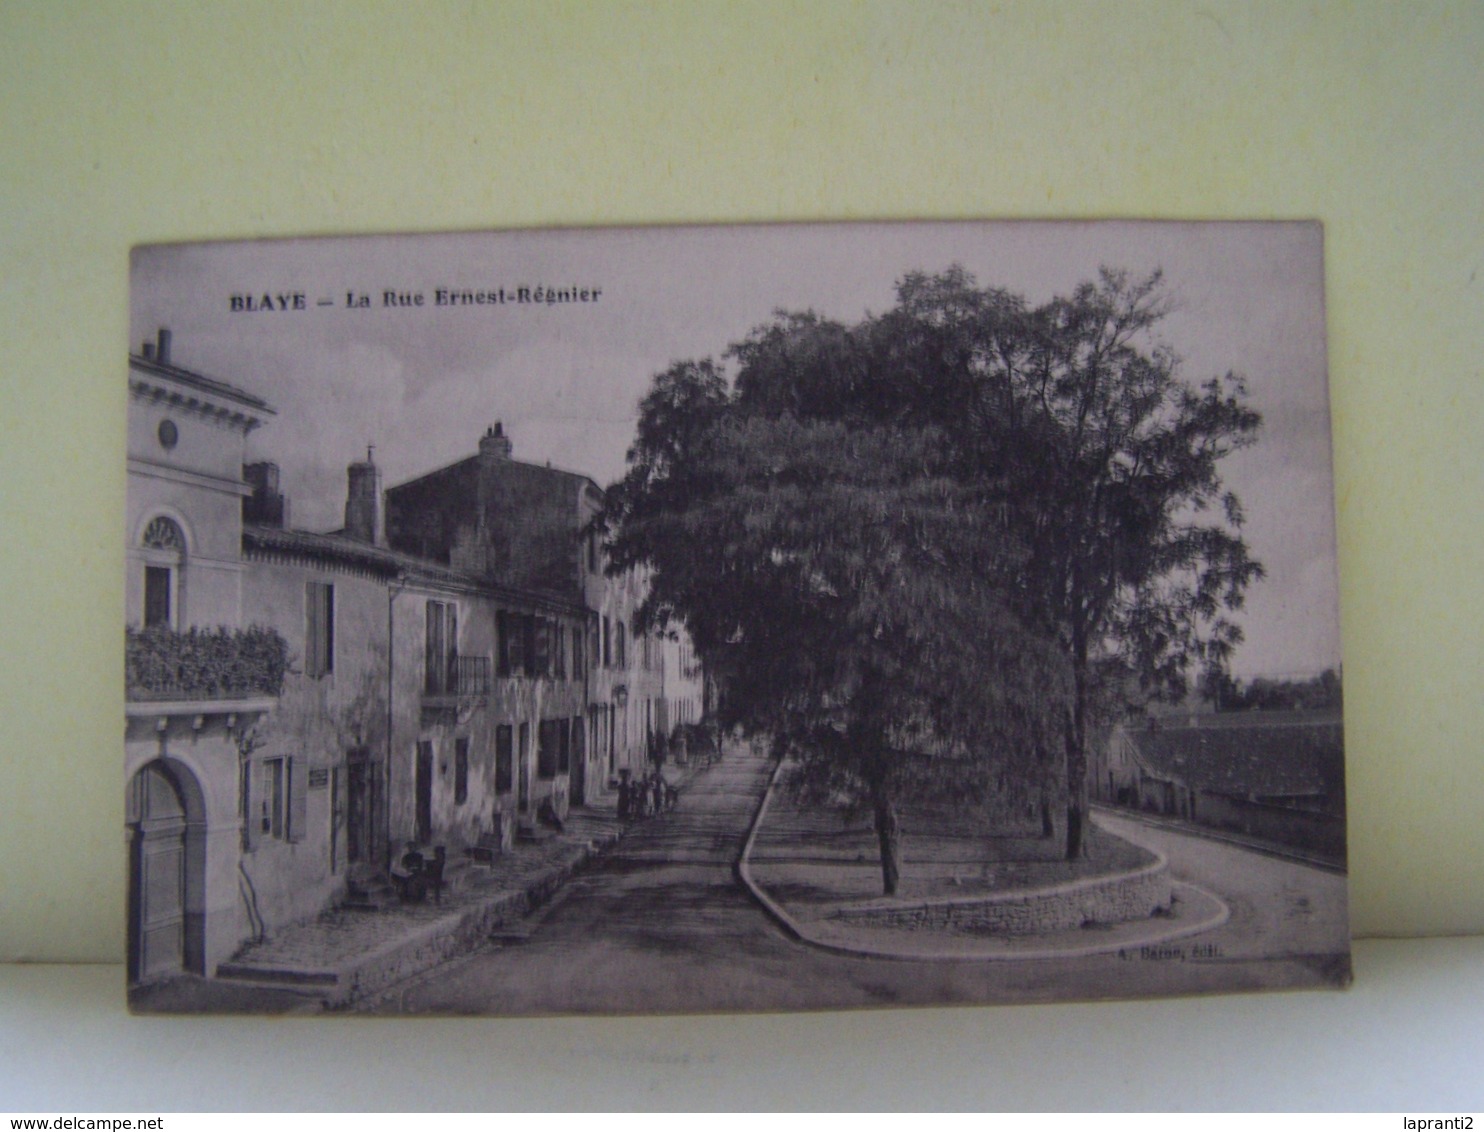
(728, 619)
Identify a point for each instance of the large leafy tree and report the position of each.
(1108, 464)
(848, 589)
(950, 538)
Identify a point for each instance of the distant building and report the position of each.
(532, 526)
(1277, 775)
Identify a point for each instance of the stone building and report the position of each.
(531, 526)
(1275, 775)
(198, 679)
(450, 667)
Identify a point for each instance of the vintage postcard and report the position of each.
(731, 619)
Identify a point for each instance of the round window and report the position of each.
(169, 434)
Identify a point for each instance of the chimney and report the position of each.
(162, 351)
(266, 505)
(495, 444)
(363, 504)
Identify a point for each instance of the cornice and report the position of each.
(140, 466)
(183, 400)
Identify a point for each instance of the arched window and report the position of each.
(164, 559)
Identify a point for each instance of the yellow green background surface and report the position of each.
(132, 123)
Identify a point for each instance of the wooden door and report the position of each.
(423, 788)
(156, 876)
(358, 773)
(523, 767)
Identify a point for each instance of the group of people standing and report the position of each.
(644, 797)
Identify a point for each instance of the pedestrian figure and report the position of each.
(411, 883)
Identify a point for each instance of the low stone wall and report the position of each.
(1113, 899)
(445, 939)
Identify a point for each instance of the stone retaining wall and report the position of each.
(444, 940)
(1075, 904)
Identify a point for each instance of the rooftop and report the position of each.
(1289, 754)
(391, 564)
(148, 363)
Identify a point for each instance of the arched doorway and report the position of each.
(167, 827)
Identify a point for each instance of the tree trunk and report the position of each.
(1048, 826)
(888, 836)
(1075, 845)
(1076, 745)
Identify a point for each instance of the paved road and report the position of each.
(659, 925)
(1279, 907)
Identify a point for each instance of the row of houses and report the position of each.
(450, 667)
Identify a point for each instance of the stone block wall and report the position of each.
(1098, 900)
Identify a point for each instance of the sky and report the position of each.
(423, 382)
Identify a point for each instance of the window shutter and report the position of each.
(461, 770)
(337, 817)
(504, 759)
(515, 637)
(543, 647)
(329, 604)
(311, 631)
(450, 664)
(319, 633)
(298, 787)
(250, 822)
(432, 647)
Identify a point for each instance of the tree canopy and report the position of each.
(934, 543)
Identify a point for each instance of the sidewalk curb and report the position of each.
(424, 947)
(742, 868)
(791, 927)
(1224, 837)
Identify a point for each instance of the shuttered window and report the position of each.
(157, 581)
(461, 770)
(504, 759)
(546, 749)
(280, 805)
(502, 645)
(319, 634)
(441, 648)
(542, 632)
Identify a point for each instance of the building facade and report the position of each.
(450, 668)
(197, 678)
(531, 527)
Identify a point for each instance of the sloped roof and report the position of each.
(390, 564)
(1286, 757)
(211, 386)
(473, 461)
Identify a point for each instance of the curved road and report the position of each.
(660, 925)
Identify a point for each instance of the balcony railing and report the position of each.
(203, 664)
(458, 676)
